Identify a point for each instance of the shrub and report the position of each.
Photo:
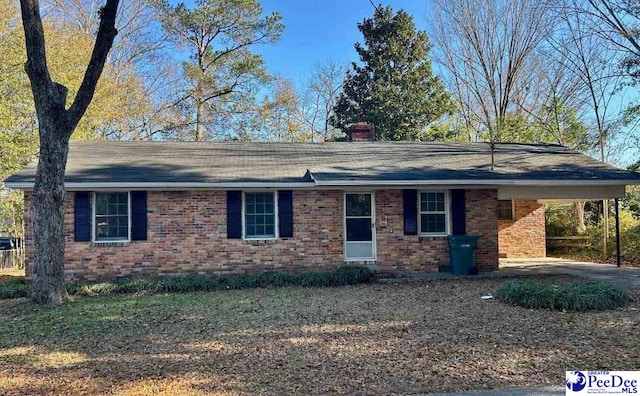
(570, 296)
(353, 275)
(629, 236)
(348, 275)
(14, 288)
(560, 220)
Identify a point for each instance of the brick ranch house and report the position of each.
(176, 208)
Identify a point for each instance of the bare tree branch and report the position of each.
(104, 41)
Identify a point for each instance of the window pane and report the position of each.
(432, 202)
(433, 223)
(505, 210)
(260, 215)
(112, 216)
(359, 250)
(359, 229)
(358, 204)
(251, 221)
(101, 204)
(251, 230)
(269, 230)
(440, 202)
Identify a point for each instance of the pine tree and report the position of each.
(394, 87)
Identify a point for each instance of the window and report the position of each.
(434, 213)
(505, 209)
(259, 215)
(111, 216)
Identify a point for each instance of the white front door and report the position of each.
(359, 224)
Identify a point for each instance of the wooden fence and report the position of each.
(569, 242)
(13, 258)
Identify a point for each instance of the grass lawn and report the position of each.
(382, 339)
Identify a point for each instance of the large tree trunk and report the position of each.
(56, 123)
(48, 206)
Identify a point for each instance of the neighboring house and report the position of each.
(173, 208)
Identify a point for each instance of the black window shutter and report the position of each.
(410, 205)
(81, 217)
(234, 214)
(285, 213)
(138, 215)
(458, 217)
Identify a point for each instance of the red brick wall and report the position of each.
(482, 220)
(525, 236)
(425, 254)
(187, 235)
(404, 252)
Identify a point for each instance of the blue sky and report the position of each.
(320, 30)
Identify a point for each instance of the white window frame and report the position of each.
(276, 217)
(447, 213)
(93, 218)
(373, 227)
(513, 210)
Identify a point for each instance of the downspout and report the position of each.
(618, 258)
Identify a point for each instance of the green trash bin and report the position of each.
(462, 249)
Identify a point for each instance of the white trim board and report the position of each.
(561, 192)
(374, 248)
(478, 182)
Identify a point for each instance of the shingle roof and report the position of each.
(237, 162)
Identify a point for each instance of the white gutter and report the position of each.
(327, 183)
(497, 182)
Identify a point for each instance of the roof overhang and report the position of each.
(507, 189)
(562, 193)
(477, 182)
(79, 186)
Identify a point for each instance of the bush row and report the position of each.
(347, 275)
(570, 296)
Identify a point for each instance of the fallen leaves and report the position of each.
(370, 339)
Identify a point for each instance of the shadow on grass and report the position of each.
(436, 336)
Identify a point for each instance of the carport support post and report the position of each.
(617, 233)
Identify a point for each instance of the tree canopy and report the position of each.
(393, 87)
(218, 36)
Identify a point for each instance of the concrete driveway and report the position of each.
(546, 391)
(624, 276)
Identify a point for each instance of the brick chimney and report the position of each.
(361, 131)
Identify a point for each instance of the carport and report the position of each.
(564, 192)
(625, 276)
